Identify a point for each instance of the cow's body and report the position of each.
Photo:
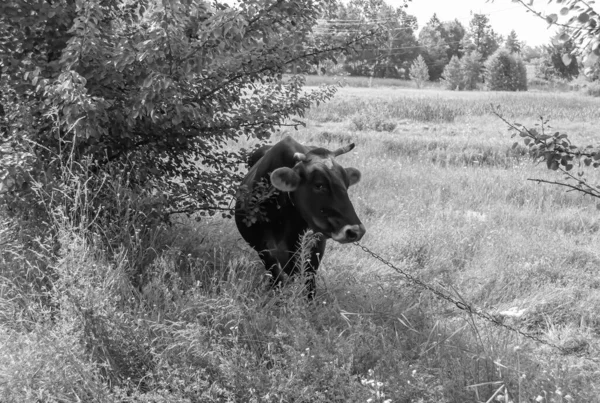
(312, 194)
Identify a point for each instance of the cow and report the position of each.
(298, 188)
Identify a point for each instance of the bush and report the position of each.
(419, 72)
(504, 72)
(593, 89)
(453, 74)
(471, 68)
(187, 78)
(372, 121)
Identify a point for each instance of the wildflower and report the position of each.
(539, 398)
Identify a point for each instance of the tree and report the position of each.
(453, 33)
(472, 68)
(434, 47)
(389, 51)
(152, 89)
(512, 43)
(528, 53)
(453, 74)
(504, 72)
(481, 37)
(419, 72)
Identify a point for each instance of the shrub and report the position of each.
(471, 68)
(593, 89)
(372, 121)
(504, 72)
(453, 74)
(187, 77)
(419, 72)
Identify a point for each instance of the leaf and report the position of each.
(583, 18)
(564, 11)
(566, 59)
(551, 19)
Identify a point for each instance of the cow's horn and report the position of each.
(299, 157)
(343, 150)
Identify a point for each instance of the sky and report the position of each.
(505, 15)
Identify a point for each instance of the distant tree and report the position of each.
(419, 72)
(472, 69)
(512, 43)
(434, 48)
(551, 65)
(453, 33)
(389, 52)
(505, 72)
(453, 75)
(528, 53)
(481, 37)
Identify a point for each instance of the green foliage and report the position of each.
(557, 151)
(512, 42)
(551, 65)
(389, 51)
(453, 75)
(580, 35)
(580, 23)
(431, 38)
(593, 89)
(472, 69)
(481, 37)
(153, 88)
(504, 72)
(419, 72)
(528, 53)
(453, 32)
(369, 120)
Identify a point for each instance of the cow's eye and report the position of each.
(319, 187)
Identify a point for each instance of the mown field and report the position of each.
(444, 197)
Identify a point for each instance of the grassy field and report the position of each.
(444, 197)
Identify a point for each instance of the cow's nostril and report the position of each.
(351, 235)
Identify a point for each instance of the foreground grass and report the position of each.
(446, 200)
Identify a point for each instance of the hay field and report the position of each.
(446, 198)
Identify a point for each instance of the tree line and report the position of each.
(395, 47)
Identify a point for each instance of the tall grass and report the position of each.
(112, 305)
(447, 106)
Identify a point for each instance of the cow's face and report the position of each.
(318, 188)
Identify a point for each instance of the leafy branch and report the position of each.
(559, 154)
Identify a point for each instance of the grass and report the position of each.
(443, 196)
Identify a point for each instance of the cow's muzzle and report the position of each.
(349, 233)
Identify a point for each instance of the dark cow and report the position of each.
(312, 193)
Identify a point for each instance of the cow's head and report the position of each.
(318, 187)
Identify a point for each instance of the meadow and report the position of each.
(444, 196)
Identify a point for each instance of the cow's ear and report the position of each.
(353, 175)
(285, 179)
